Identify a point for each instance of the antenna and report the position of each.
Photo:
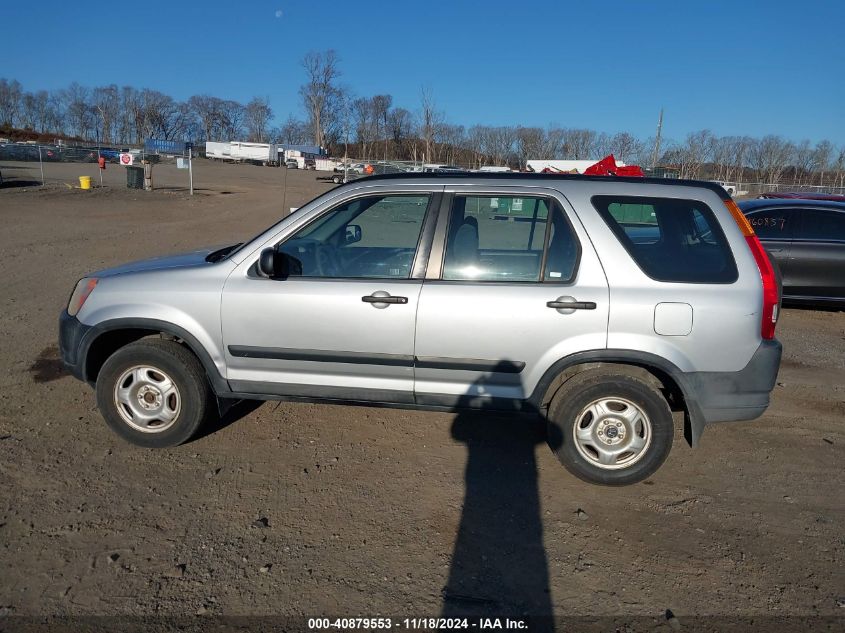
(656, 154)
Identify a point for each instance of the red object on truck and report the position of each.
(607, 167)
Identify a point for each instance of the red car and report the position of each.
(834, 197)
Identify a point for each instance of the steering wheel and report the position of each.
(326, 259)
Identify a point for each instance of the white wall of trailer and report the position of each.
(218, 150)
(242, 151)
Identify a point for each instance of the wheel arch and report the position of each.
(103, 339)
(654, 370)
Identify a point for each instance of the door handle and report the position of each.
(571, 305)
(384, 299)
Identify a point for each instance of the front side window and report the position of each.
(822, 225)
(508, 239)
(370, 237)
(670, 239)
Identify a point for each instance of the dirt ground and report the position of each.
(318, 510)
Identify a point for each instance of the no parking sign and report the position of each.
(127, 159)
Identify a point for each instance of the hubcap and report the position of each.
(612, 433)
(147, 399)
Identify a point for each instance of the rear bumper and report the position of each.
(71, 333)
(730, 396)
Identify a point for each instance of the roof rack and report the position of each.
(535, 176)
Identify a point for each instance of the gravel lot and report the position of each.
(319, 510)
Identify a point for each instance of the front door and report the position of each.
(340, 324)
(817, 257)
(520, 287)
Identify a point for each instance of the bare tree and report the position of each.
(694, 152)
(530, 143)
(364, 124)
(430, 119)
(208, 111)
(27, 111)
(320, 92)
(258, 114)
(293, 132)
(821, 159)
(231, 119)
(839, 167)
(56, 120)
(381, 109)
(769, 156)
(578, 144)
(79, 112)
(400, 127)
(803, 161)
(11, 94)
(451, 138)
(106, 101)
(625, 147)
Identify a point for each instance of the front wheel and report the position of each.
(610, 428)
(154, 393)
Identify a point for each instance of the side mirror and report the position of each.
(267, 262)
(353, 234)
(277, 264)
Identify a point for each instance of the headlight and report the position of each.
(84, 287)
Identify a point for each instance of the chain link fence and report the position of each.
(31, 164)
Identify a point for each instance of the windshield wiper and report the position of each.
(221, 253)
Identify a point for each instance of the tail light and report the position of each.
(767, 273)
(84, 287)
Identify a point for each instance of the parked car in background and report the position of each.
(807, 240)
(804, 195)
(292, 163)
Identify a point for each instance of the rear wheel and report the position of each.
(610, 428)
(154, 393)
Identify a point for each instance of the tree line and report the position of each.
(374, 128)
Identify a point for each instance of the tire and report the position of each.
(610, 428)
(154, 393)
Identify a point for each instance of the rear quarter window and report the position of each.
(670, 239)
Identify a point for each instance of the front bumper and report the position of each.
(71, 333)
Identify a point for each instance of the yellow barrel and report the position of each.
(85, 182)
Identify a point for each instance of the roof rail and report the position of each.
(412, 175)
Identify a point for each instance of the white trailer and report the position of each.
(220, 151)
(244, 152)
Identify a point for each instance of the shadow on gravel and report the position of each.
(237, 411)
(48, 366)
(499, 565)
(16, 184)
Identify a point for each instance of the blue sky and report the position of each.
(733, 67)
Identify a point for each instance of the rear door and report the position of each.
(817, 256)
(493, 313)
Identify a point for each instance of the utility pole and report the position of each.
(656, 154)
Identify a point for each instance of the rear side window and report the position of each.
(773, 224)
(670, 239)
(822, 225)
(509, 239)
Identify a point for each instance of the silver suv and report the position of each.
(601, 304)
